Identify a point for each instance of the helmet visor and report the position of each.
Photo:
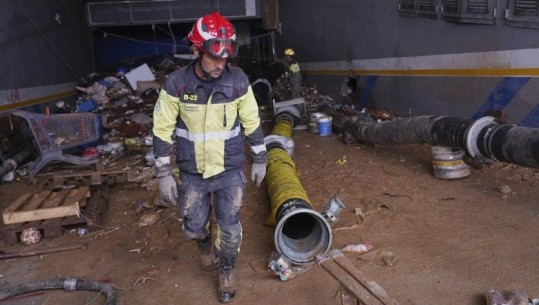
(221, 48)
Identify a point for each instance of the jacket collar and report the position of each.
(192, 81)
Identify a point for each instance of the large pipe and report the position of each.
(262, 87)
(482, 139)
(300, 232)
(13, 163)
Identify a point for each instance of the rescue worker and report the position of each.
(294, 73)
(206, 108)
(348, 90)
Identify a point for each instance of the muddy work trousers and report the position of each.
(199, 197)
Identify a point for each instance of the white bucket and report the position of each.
(313, 121)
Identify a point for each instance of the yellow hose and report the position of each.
(283, 127)
(300, 232)
(281, 178)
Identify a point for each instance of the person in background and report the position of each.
(349, 91)
(207, 108)
(294, 73)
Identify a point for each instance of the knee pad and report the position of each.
(229, 239)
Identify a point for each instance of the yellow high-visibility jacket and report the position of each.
(208, 126)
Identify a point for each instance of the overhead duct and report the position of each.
(116, 13)
(263, 86)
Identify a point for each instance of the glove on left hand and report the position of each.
(258, 172)
(168, 189)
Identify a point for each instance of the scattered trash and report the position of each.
(141, 73)
(383, 115)
(132, 142)
(9, 176)
(517, 298)
(148, 140)
(358, 248)
(30, 236)
(359, 215)
(79, 231)
(148, 219)
(87, 106)
(150, 158)
(381, 257)
(341, 161)
(495, 297)
(141, 118)
(96, 93)
(504, 189)
(389, 258)
(111, 148)
(90, 153)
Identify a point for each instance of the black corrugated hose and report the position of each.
(484, 138)
(68, 284)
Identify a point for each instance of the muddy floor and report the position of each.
(449, 241)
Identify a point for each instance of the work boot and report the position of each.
(207, 257)
(227, 281)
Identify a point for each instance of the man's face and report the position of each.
(212, 65)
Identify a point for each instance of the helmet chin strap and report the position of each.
(205, 73)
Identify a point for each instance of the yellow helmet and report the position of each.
(289, 52)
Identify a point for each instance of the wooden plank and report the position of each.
(96, 206)
(46, 205)
(78, 196)
(35, 201)
(369, 284)
(46, 213)
(55, 199)
(22, 203)
(348, 282)
(17, 203)
(347, 298)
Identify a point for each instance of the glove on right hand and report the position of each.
(168, 189)
(258, 172)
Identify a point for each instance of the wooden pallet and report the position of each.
(46, 205)
(91, 217)
(93, 178)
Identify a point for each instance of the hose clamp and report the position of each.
(332, 209)
(70, 284)
(472, 134)
(285, 143)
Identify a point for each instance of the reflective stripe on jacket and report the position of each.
(294, 67)
(207, 126)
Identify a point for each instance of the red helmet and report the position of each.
(215, 35)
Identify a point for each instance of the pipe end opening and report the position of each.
(301, 235)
